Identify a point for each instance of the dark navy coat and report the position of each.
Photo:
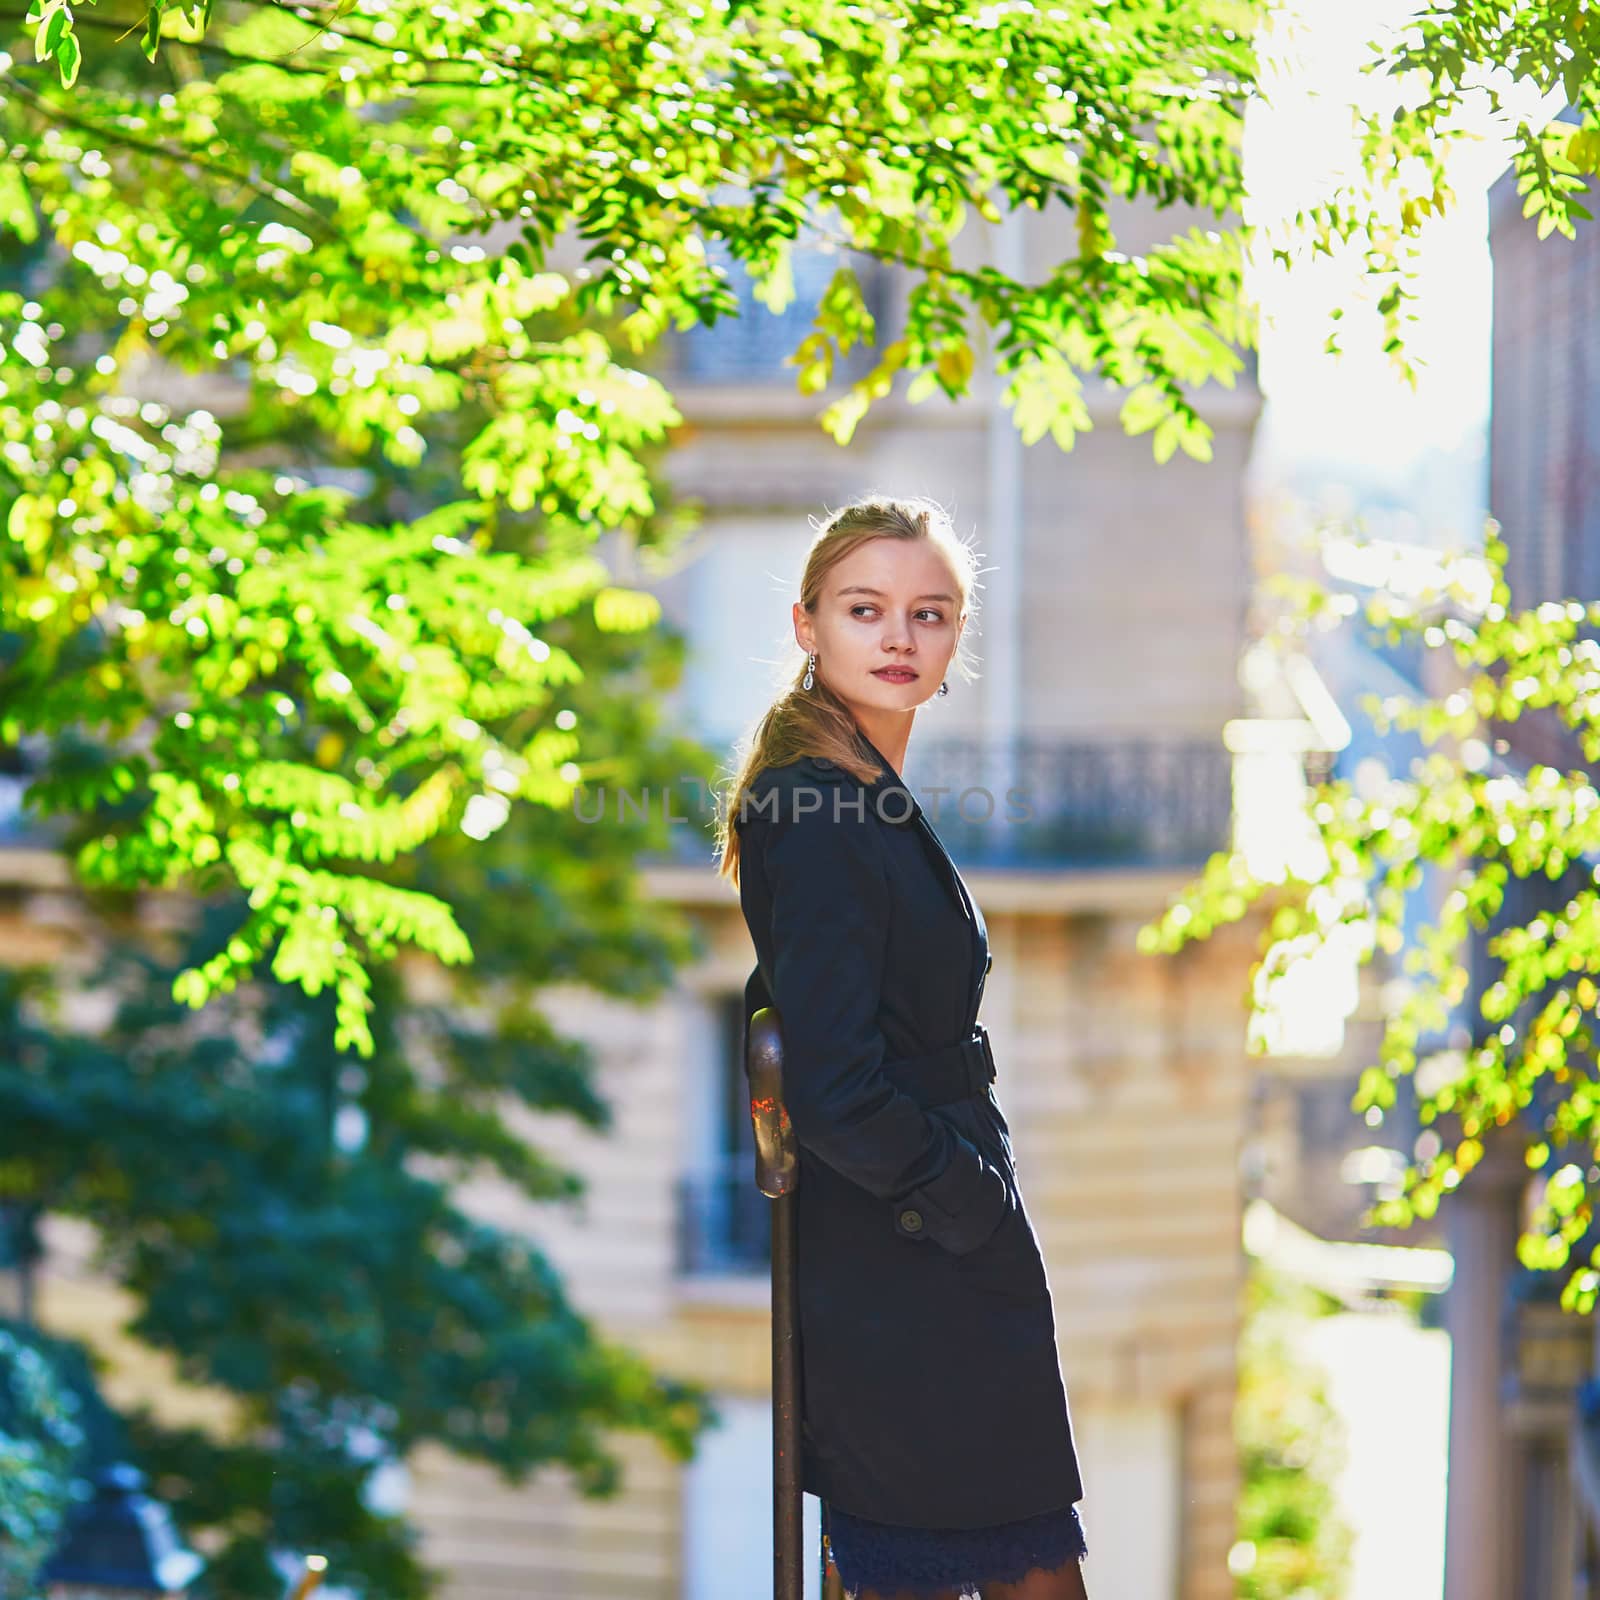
(931, 1385)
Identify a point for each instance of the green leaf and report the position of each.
(774, 287)
(842, 314)
(1144, 408)
(68, 59)
(1168, 433)
(842, 417)
(53, 23)
(954, 366)
(152, 28)
(1583, 149)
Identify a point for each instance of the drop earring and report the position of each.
(944, 688)
(811, 668)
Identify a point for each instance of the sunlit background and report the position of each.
(1129, 678)
(1360, 477)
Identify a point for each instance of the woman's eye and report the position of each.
(927, 611)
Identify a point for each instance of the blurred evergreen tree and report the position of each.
(284, 1219)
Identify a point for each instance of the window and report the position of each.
(724, 1221)
(754, 346)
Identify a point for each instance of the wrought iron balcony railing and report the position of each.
(1046, 802)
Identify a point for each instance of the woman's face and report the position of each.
(890, 604)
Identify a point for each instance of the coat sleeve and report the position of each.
(830, 927)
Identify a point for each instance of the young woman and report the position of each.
(935, 1423)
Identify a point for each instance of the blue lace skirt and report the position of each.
(926, 1563)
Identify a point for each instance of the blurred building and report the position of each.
(1524, 1505)
(1112, 616)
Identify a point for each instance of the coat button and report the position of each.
(911, 1221)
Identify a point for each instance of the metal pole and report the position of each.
(777, 1177)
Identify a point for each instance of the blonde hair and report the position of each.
(815, 721)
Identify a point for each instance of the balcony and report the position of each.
(1076, 804)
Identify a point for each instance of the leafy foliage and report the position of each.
(1443, 60)
(285, 1217)
(1515, 849)
(270, 265)
(1293, 1542)
(1489, 829)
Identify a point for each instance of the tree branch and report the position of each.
(175, 153)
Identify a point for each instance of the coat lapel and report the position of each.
(890, 782)
(975, 922)
(903, 811)
(905, 803)
(904, 807)
(951, 870)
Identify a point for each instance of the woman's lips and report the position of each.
(895, 674)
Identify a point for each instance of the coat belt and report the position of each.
(956, 1072)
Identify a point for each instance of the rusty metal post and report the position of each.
(778, 1177)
